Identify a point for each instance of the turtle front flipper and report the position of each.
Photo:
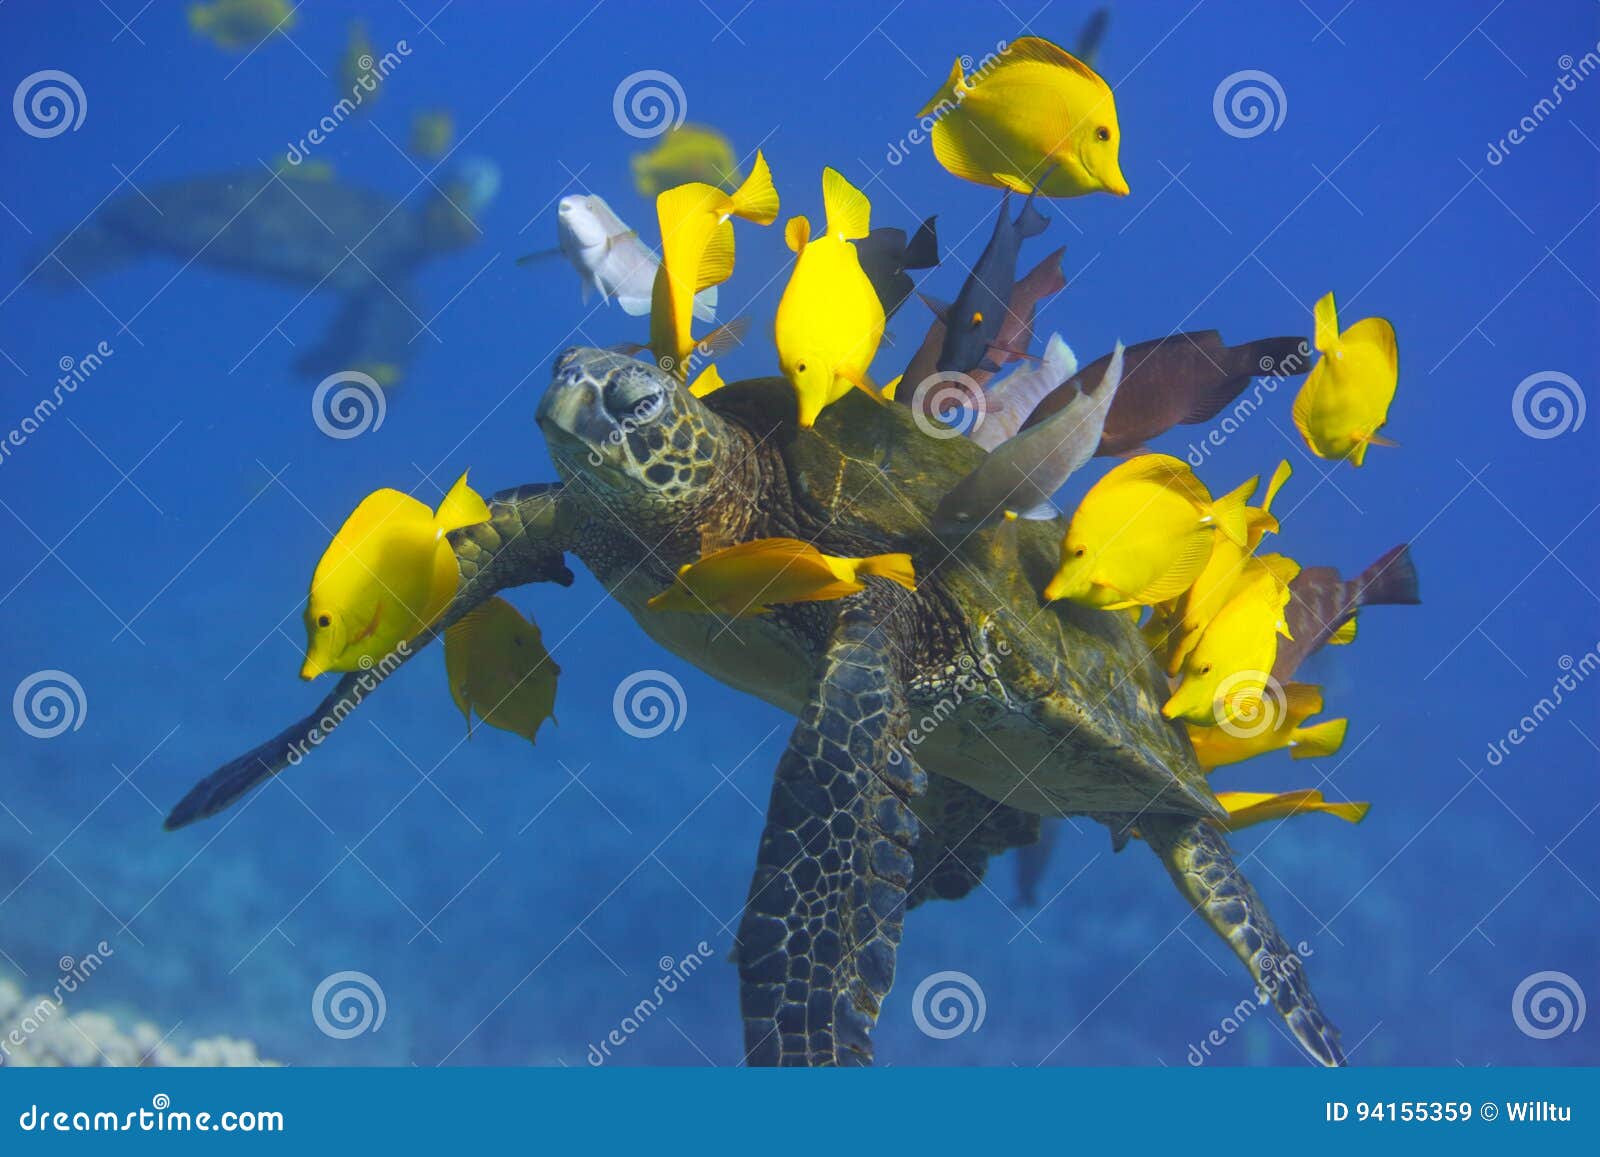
(822, 923)
(523, 542)
(1201, 864)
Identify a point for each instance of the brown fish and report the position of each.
(1016, 332)
(1320, 603)
(1179, 380)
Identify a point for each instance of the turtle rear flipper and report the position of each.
(1201, 864)
(822, 923)
(374, 332)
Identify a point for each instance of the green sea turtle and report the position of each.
(934, 728)
(311, 232)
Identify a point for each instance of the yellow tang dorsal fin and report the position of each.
(1040, 51)
(888, 390)
(1327, 321)
(1376, 333)
(1345, 634)
(796, 233)
(1300, 413)
(757, 199)
(1230, 513)
(461, 507)
(848, 210)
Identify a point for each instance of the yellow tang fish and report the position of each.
(386, 576)
(689, 152)
(238, 24)
(1227, 670)
(1254, 807)
(830, 320)
(498, 667)
(748, 579)
(1035, 116)
(1218, 747)
(1346, 396)
(1141, 535)
(432, 133)
(697, 253)
(1199, 604)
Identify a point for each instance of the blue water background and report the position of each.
(516, 903)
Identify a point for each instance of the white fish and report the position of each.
(1022, 474)
(1008, 402)
(610, 258)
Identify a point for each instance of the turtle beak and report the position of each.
(574, 406)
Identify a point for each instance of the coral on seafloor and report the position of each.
(39, 1032)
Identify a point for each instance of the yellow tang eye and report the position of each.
(324, 621)
(801, 367)
(1102, 133)
(1078, 553)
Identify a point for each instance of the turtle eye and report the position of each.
(324, 621)
(1102, 133)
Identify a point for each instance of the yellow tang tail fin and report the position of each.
(848, 210)
(757, 199)
(894, 567)
(948, 91)
(1346, 633)
(1275, 484)
(1229, 511)
(461, 507)
(1322, 739)
(709, 382)
(1327, 321)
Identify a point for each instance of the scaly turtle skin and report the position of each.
(934, 727)
(314, 234)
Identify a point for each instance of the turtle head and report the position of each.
(639, 441)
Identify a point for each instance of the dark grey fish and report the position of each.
(1092, 36)
(1023, 473)
(886, 255)
(973, 322)
(1320, 602)
(1180, 380)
